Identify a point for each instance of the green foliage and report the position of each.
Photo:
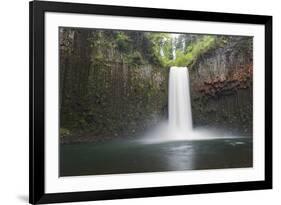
(138, 48)
(135, 58)
(64, 132)
(183, 59)
(187, 48)
(162, 46)
(190, 55)
(123, 42)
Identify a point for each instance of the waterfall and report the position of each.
(180, 125)
(180, 116)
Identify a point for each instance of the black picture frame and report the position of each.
(37, 9)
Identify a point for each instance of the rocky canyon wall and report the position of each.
(221, 87)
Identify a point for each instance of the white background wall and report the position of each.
(14, 100)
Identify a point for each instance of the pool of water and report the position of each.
(129, 156)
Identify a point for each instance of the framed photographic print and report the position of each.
(140, 102)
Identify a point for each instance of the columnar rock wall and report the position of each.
(221, 87)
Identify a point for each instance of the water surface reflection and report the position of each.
(135, 157)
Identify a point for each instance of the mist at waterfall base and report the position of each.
(179, 125)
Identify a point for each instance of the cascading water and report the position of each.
(180, 125)
(180, 115)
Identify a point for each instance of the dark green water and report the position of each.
(134, 157)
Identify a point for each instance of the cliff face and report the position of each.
(221, 87)
(107, 90)
(125, 99)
